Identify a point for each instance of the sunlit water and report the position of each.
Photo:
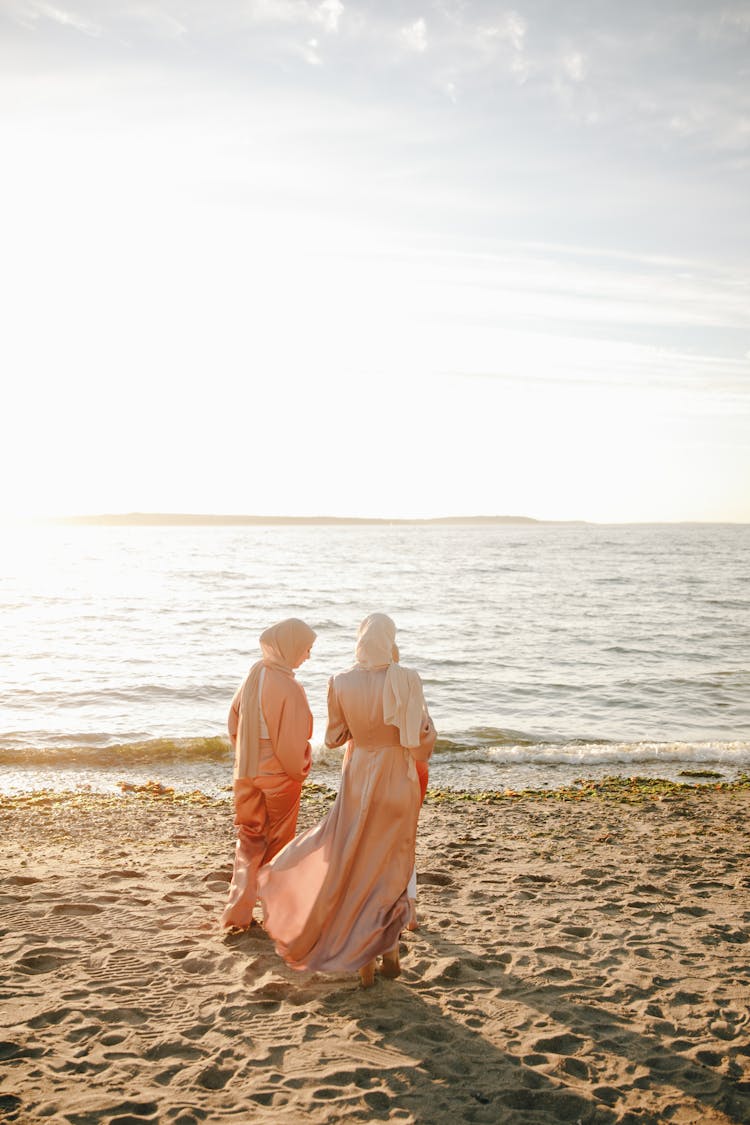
(547, 652)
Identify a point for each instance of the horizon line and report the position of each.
(197, 519)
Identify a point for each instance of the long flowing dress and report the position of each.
(266, 805)
(336, 897)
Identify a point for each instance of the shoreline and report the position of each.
(618, 788)
(211, 774)
(582, 956)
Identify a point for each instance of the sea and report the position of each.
(549, 652)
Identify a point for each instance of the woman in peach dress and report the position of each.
(336, 897)
(270, 724)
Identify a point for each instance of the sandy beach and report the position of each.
(581, 960)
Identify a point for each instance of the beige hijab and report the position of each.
(284, 647)
(403, 699)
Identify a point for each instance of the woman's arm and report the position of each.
(290, 725)
(427, 737)
(233, 720)
(337, 731)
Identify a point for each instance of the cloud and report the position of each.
(574, 64)
(539, 313)
(679, 75)
(325, 13)
(329, 13)
(718, 119)
(732, 21)
(483, 44)
(414, 36)
(159, 22)
(310, 53)
(513, 28)
(33, 10)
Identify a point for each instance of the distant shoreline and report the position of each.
(197, 519)
(177, 519)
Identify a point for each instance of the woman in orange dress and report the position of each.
(335, 898)
(270, 725)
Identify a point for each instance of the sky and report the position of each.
(331, 257)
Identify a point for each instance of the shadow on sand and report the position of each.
(458, 1073)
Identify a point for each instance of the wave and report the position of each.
(136, 693)
(731, 754)
(578, 753)
(119, 754)
(488, 745)
(487, 736)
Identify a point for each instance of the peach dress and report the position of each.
(266, 799)
(336, 896)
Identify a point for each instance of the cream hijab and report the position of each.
(403, 699)
(284, 647)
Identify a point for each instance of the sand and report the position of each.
(578, 961)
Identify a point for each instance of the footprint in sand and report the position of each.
(223, 876)
(548, 1105)
(213, 1078)
(565, 1044)
(122, 873)
(76, 908)
(45, 961)
(576, 1068)
(129, 1113)
(434, 879)
(577, 931)
(11, 1050)
(131, 1017)
(378, 1101)
(112, 1038)
(79, 1034)
(10, 1105)
(560, 951)
(444, 969)
(557, 973)
(534, 1059)
(164, 1077)
(49, 1018)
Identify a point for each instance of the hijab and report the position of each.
(284, 647)
(403, 700)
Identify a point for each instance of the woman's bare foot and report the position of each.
(233, 931)
(391, 964)
(367, 975)
(413, 923)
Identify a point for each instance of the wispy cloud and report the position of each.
(680, 73)
(329, 12)
(550, 198)
(733, 21)
(309, 52)
(564, 315)
(325, 13)
(414, 36)
(574, 64)
(157, 20)
(31, 12)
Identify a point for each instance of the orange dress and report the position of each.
(266, 806)
(335, 897)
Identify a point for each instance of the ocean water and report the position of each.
(548, 652)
